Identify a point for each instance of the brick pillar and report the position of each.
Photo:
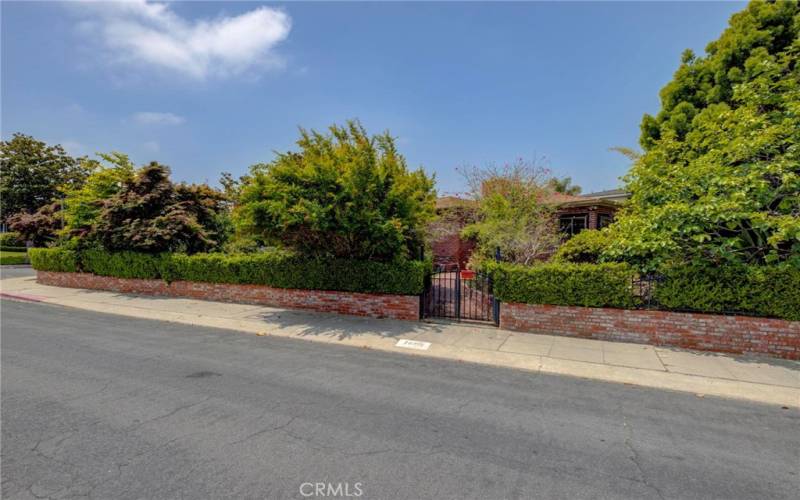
(592, 222)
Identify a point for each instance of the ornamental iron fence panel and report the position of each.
(460, 294)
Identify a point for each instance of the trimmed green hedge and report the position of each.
(54, 259)
(589, 285)
(11, 239)
(276, 268)
(13, 258)
(127, 264)
(759, 290)
(4, 248)
(772, 291)
(283, 270)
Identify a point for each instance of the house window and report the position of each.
(572, 224)
(604, 220)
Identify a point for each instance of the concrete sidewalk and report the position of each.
(762, 380)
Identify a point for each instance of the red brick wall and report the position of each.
(357, 304)
(706, 332)
(446, 249)
(451, 249)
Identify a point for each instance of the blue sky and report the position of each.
(206, 87)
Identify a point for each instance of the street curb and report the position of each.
(23, 297)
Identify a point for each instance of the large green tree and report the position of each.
(83, 205)
(32, 174)
(343, 194)
(719, 178)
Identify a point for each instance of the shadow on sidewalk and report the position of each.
(340, 327)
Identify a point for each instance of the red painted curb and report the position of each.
(23, 296)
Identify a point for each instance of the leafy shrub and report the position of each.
(241, 244)
(40, 227)
(13, 249)
(11, 239)
(54, 259)
(344, 194)
(567, 284)
(760, 290)
(13, 258)
(276, 268)
(514, 213)
(126, 264)
(584, 247)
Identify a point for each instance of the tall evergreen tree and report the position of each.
(343, 194)
(719, 179)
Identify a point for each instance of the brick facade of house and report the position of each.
(452, 250)
(355, 304)
(591, 213)
(706, 332)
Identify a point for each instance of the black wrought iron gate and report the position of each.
(460, 294)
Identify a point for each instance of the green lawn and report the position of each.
(11, 258)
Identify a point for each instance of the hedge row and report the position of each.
(772, 291)
(53, 259)
(757, 290)
(5, 248)
(275, 268)
(284, 270)
(589, 285)
(13, 258)
(11, 239)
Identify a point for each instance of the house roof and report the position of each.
(559, 199)
(591, 202)
(610, 198)
(453, 201)
(609, 193)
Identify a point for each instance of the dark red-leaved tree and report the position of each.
(40, 227)
(152, 214)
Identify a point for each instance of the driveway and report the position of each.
(105, 406)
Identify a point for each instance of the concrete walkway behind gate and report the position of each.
(763, 380)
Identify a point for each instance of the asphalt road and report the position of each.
(16, 271)
(111, 407)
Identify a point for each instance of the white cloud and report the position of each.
(156, 118)
(138, 32)
(151, 147)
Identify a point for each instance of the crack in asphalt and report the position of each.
(635, 458)
(265, 430)
(167, 415)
